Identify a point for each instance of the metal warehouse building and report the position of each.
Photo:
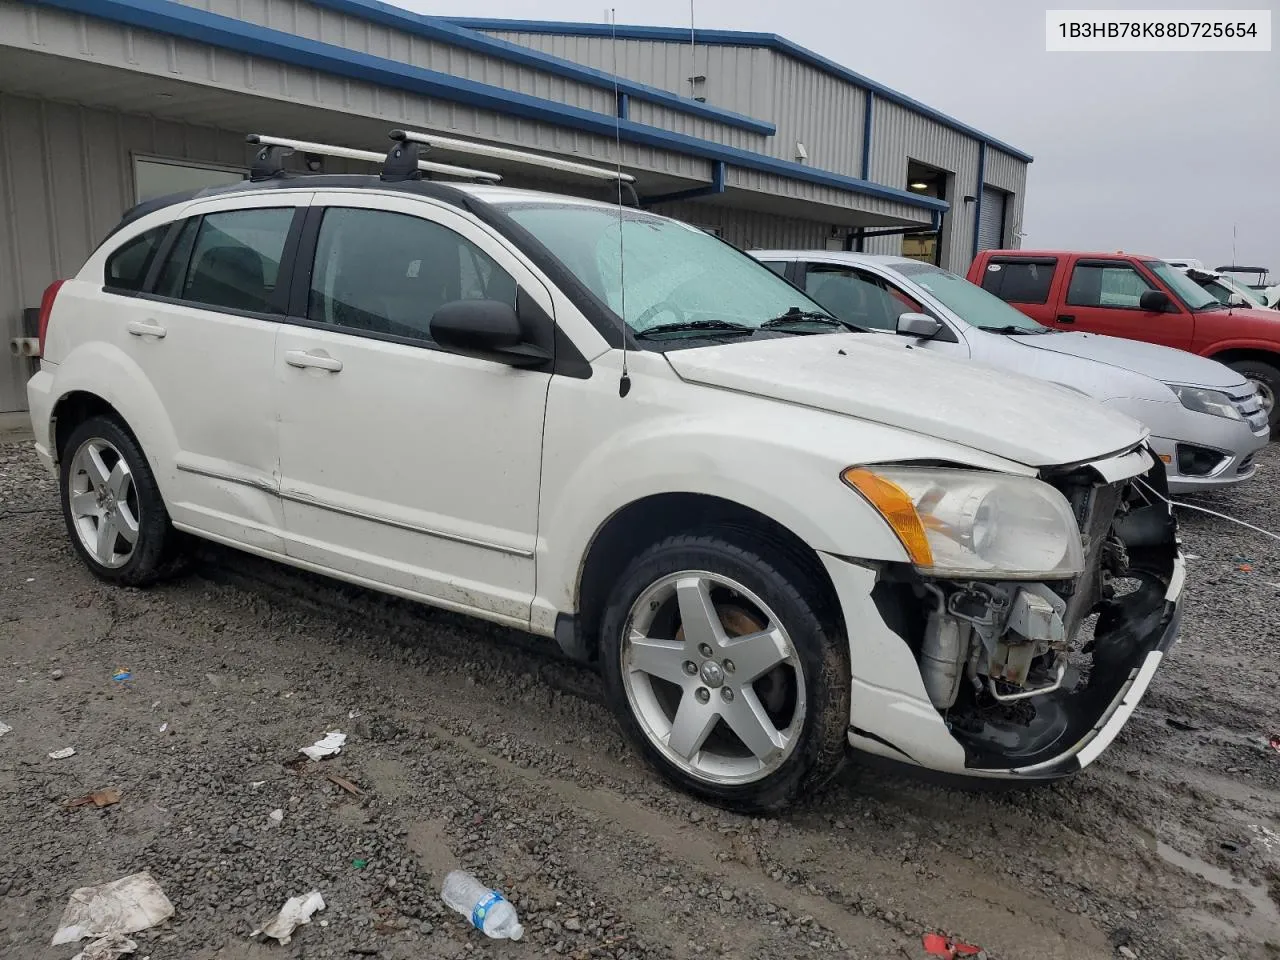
(107, 102)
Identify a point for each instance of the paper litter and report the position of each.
(295, 912)
(127, 905)
(109, 947)
(326, 746)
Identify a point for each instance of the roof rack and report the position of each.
(269, 161)
(506, 153)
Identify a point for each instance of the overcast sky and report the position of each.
(1154, 153)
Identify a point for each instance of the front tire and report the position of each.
(727, 671)
(1267, 379)
(112, 507)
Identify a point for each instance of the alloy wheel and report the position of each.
(103, 502)
(713, 678)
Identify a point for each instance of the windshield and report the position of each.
(675, 273)
(1235, 286)
(969, 302)
(1183, 287)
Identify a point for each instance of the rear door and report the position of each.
(1022, 282)
(1103, 295)
(404, 463)
(203, 333)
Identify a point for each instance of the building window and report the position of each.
(927, 181)
(157, 178)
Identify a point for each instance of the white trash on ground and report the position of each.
(63, 753)
(5, 728)
(295, 912)
(326, 746)
(127, 905)
(487, 910)
(276, 816)
(110, 947)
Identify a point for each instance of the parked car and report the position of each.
(777, 538)
(1227, 290)
(1140, 298)
(1206, 420)
(1185, 262)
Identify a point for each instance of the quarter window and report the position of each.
(389, 272)
(857, 297)
(1018, 281)
(1116, 286)
(127, 268)
(228, 260)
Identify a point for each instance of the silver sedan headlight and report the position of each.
(965, 523)
(1213, 402)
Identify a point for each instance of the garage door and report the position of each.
(991, 223)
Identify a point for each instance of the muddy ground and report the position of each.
(472, 745)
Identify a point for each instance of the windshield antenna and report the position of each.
(624, 384)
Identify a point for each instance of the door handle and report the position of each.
(140, 328)
(1066, 318)
(320, 360)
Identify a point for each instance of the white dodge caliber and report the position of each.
(777, 538)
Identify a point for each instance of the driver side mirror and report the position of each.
(485, 328)
(1154, 301)
(1237, 300)
(918, 325)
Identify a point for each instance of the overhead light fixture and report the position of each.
(801, 153)
(919, 185)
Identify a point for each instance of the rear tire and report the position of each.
(763, 715)
(1267, 377)
(115, 516)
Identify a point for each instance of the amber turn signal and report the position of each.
(898, 510)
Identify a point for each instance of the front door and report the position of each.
(1104, 296)
(404, 464)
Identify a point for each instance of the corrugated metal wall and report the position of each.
(748, 229)
(899, 135)
(66, 175)
(807, 105)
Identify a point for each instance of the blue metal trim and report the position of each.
(164, 16)
(442, 30)
(977, 197)
(715, 187)
(624, 105)
(735, 38)
(868, 120)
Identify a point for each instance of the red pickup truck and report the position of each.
(1141, 298)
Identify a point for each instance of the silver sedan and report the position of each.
(1206, 420)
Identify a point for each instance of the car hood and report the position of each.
(1150, 359)
(878, 378)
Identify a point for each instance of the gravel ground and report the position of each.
(472, 745)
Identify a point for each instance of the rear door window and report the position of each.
(1116, 286)
(229, 260)
(128, 266)
(1019, 281)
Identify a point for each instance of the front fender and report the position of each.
(104, 370)
(1244, 343)
(603, 453)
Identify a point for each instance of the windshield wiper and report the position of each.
(796, 317)
(718, 327)
(1011, 330)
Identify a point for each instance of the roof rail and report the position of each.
(506, 153)
(269, 161)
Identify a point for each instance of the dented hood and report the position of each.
(878, 378)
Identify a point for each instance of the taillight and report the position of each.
(46, 309)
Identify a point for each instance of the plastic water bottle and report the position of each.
(488, 910)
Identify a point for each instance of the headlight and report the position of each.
(963, 523)
(1206, 401)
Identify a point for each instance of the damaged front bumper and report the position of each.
(1063, 725)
